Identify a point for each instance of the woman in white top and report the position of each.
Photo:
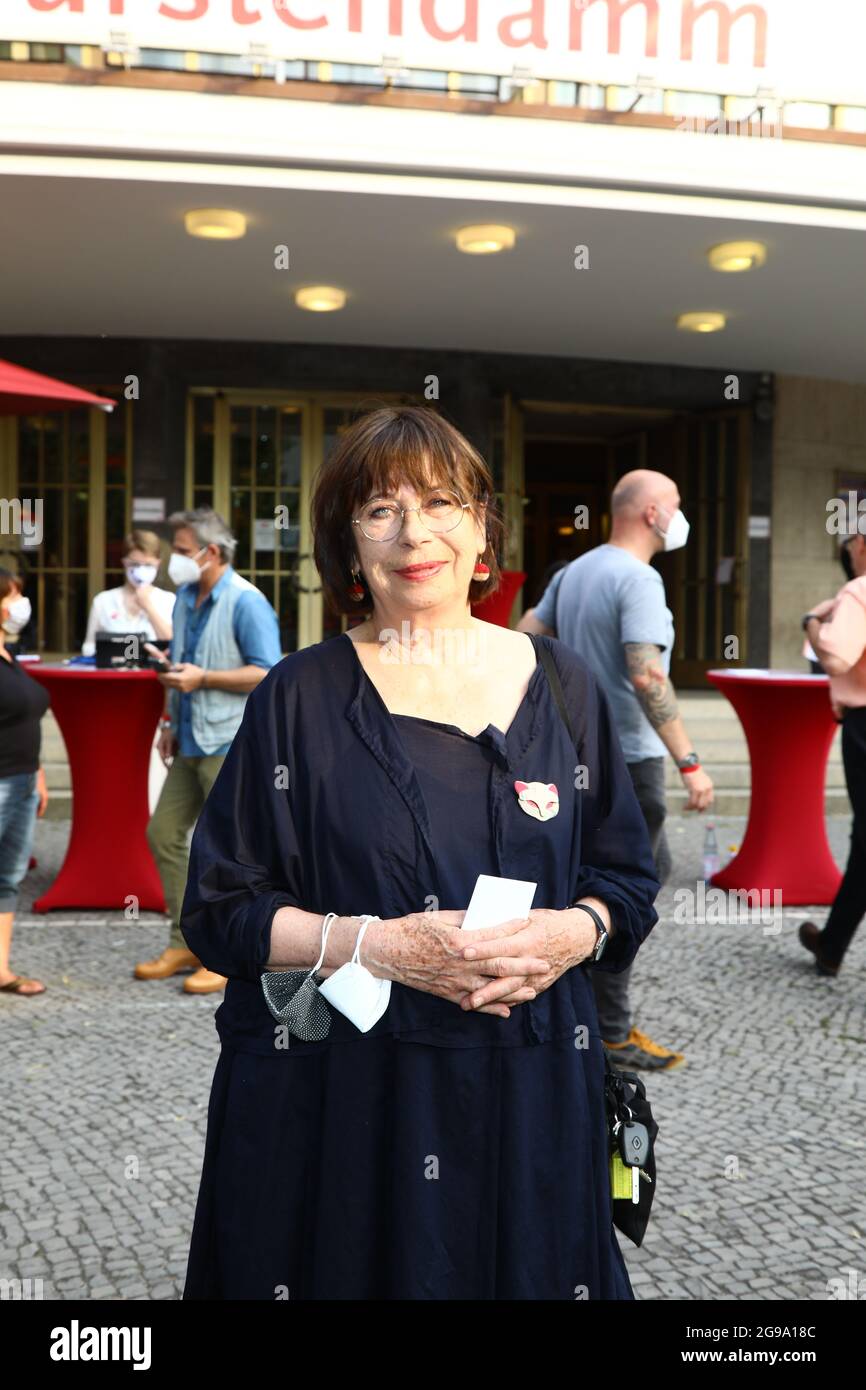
(136, 606)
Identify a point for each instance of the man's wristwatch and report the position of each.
(690, 763)
(603, 933)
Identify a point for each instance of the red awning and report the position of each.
(23, 392)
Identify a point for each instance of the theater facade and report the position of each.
(598, 236)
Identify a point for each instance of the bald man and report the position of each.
(609, 606)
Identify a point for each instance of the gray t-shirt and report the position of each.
(595, 604)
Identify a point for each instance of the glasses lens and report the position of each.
(442, 511)
(382, 521)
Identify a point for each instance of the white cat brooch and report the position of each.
(538, 799)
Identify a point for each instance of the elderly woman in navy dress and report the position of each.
(456, 1148)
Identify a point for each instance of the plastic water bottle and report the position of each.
(712, 862)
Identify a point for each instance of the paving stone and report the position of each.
(770, 1044)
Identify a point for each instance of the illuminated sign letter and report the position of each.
(726, 20)
(241, 15)
(282, 11)
(395, 17)
(43, 6)
(468, 30)
(615, 11)
(535, 15)
(197, 12)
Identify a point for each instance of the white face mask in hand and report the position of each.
(141, 574)
(354, 992)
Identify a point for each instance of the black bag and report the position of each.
(628, 1102)
(624, 1092)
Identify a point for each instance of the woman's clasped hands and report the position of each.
(485, 971)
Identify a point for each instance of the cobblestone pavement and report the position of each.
(760, 1153)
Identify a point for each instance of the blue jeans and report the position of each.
(18, 802)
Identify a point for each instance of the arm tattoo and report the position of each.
(654, 690)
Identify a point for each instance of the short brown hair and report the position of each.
(379, 451)
(148, 541)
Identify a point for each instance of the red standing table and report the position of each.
(789, 726)
(108, 720)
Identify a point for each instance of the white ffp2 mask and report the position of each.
(141, 574)
(354, 992)
(17, 615)
(182, 569)
(677, 533)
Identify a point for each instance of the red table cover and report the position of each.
(496, 608)
(108, 720)
(789, 726)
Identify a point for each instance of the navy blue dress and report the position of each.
(444, 1154)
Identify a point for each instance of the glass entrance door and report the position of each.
(250, 458)
(76, 466)
(265, 443)
(253, 456)
(708, 456)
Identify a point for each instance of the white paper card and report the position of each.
(496, 900)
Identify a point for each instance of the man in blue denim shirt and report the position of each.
(226, 639)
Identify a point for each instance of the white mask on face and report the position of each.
(677, 533)
(354, 992)
(182, 569)
(141, 574)
(17, 615)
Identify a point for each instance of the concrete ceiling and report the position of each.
(109, 255)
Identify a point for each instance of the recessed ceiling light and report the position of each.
(485, 240)
(734, 256)
(703, 321)
(216, 224)
(320, 299)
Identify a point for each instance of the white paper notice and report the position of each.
(496, 900)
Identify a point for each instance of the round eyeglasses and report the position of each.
(383, 521)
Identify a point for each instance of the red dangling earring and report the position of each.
(356, 590)
(481, 571)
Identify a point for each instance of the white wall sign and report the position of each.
(148, 509)
(264, 534)
(759, 528)
(795, 48)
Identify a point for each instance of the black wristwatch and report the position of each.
(603, 933)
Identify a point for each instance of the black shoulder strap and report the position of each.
(547, 661)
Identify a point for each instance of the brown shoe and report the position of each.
(204, 982)
(640, 1051)
(173, 959)
(810, 937)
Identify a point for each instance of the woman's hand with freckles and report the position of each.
(425, 950)
(564, 938)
